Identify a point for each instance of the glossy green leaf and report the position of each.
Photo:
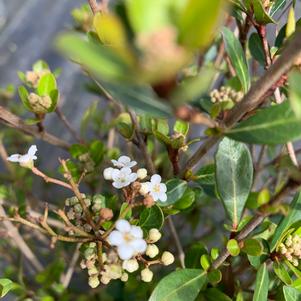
(293, 216)
(205, 262)
(6, 285)
(151, 218)
(237, 57)
(23, 93)
(184, 284)
(295, 92)
(261, 16)
(214, 294)
(193, 255)
(233, 247)
(282, 273)
(276, 6)
(186, 200)
(291, 294)
(256, 49)
(261, 284)
(214, 277)
(274, 125)
(98, 59)
(175, 190)
(46, 84)
(234, 176)
(141, 98)
(252, 247)
(181, 127)
(205, 177)
(198, 22)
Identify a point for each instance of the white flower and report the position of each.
(123, 177)
(107, 173)
(124, 161)
(141, 173)
(157, 189)
(26, 159)
(128, 239)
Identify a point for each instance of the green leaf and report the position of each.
(139, 97)
(213, 294)
(6, 285)
(282, 273)
(175, 190)
(144, 16)
(261, 16)
(215, 277)
(261, 284)
(276, 6)
(181, 127)
(293, 216)
(274, 125)
(205, 262)
(256, 48)
(237, 57)
(252, 247)
(198, 21)
(193, 255)
(180, 285)
(291, 294)
(233, 247)
(205, 177)
(151, 218)
(234, 176)
(46, 85)
(99, 59)
(295, 92)
(186, 200)
(23, 93)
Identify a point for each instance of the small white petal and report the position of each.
(118, 185)
(163, 197)
(124, 160)
(132, 177)
(156, 179)
(125, 252)
(131, 164)
(115, 174)
(32, 150)
(25, 158)
(115, 238)
(155, 195)
(107, 173)
(163, 187)
(139, 245)
(14, 158)
(123, 226)
(136, 232)
(115, 163)
(126, 171)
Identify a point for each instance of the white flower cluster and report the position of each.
(123, 176)
(25, 160)
(291, 249)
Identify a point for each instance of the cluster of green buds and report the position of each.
(40, 93)
(95, 204)
(226, 94)
(291, 249)
(87, 162)
(83, 18)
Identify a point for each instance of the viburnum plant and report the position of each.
(183, 181)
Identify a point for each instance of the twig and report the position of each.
(49, 179)
(13, 121)
(290, 187)
(177, 241)
(65, 121)
(19, 241)
(78, 195)
(255, 95)
(67, 277)
(94, 6)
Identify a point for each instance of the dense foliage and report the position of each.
(183, 181)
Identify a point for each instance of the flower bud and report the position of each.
(93, 271)
(94, 281)
(83, 264)
(124, 277)
(39, 104)
(144, 189)
(107, 173)
(106, 214)
(152, 251)
(130, 265)
(141, 173)
(147, 275)
(105, 279)
(167, 258)
(154, 235)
